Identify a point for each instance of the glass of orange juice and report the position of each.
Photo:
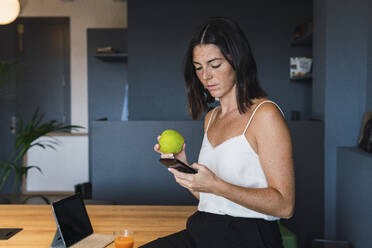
(124, 239)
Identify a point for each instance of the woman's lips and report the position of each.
(212, 86)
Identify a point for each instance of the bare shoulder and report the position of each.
(207, 118)
(269, 110)
(272, 135)
(268, 115)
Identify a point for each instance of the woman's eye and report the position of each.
(198, 68)
(216, 66)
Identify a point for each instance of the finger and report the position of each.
(170, 155)
(182, 149)
(179, 174)
(196, 166)
(158, 137)
(182, 182)
(157, 148)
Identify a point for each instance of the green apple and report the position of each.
(171, 141)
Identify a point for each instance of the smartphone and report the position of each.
(178, 165)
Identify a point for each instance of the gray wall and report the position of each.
(319, 59)
(106, 79)
(159, 34)
(354, 216)
(125, 168)
(369, 65)
(307, 221)
(340, 82)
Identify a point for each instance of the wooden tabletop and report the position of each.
(147, 222)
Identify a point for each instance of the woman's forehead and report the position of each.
(205, 52)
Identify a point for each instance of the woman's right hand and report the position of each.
(180, 156)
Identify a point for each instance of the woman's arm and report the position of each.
(275, 154)
(196, 194)
(274, 150)
(206, 120)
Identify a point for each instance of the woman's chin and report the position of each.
(214, 94)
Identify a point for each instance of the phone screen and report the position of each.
(178, 165)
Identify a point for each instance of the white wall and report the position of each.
(62, 168)
(83, 14)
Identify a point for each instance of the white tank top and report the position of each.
(237, 163)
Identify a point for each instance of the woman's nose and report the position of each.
(207, 74)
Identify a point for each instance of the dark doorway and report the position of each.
(39, 75)
(43, 68)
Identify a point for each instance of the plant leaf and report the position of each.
(6, 171)
(5, 176)
(27, 136)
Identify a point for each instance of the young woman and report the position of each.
(245, 179)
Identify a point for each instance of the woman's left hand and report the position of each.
(203, 181)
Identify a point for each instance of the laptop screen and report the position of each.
(72, 218)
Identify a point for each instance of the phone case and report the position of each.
(178, 165)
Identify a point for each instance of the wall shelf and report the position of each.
(305, 43)
(306, 77)
(112, 57)
(306, 40)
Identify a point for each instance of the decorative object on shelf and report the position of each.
(110, 54)
(303, 34)
(365, 139)
(9, 11)
(300, 68)
(106, 50)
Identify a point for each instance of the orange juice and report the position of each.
(124, 242)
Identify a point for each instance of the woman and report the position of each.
(245, 179)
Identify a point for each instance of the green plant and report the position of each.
(26, 138)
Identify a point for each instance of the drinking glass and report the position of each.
(124, 239)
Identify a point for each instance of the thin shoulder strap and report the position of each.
(209, 122)
(250, 119)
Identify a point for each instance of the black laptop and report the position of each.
(73, 225)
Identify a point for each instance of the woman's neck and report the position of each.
(228, 102)
(228, 106)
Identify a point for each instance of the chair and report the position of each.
(288, 237)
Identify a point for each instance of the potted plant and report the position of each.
(27, 136)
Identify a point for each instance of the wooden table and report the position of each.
(147, 222)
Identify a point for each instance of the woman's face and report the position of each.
(213, 70)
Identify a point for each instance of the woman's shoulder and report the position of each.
(269, 121)
(268, 110)
(208, 116)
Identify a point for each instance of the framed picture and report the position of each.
(367, 116)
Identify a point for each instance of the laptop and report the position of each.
(73, 226)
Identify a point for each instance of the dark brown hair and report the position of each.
(230, 39)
